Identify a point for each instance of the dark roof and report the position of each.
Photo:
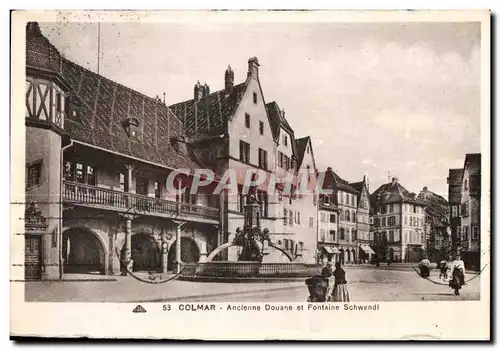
(209, 115)
(334, 182)
(455, 185)
(277, 118)
(103, 105)
(393, 192)
(301, 148)
(358, 186)
(473, 164)
(436, 207)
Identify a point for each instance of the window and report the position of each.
(81, 173)
(391, 235)
(290, 219)
(354, 234)
(340, 198)
(34, 174)
(247, 120)
(384, 222)
(307, 149)
(353, 198)
(123, 183)
(91, 176)
(377, 222)
(454, 211)
(286, 164)
(322, 232)
(347, 215)
(261, 128)
(391, 208)
(244, 152)
(280, 159)
(466, 187)
(285, 139)
(332, 218)
(353, 216)
(475, 232)
(383, 209)
(392, 220)
(285, 216)
(141, 186)
(322, 217)
(342, 233)
(406, 220)
(262, 159)
(414, 208)
(459, 233)
(297, 217)
(326, 200)
(58, 102)
(332, 235)
(311, 222)
(465, 231)
(255, 98)
(466, 206)
(262, 197)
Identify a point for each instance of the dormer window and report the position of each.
(131, 126)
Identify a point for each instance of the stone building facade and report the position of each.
(365, 235)
(99, 156)
(398, 223)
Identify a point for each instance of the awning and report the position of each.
(367, 249)
(331, 250)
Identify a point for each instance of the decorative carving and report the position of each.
(33, 219)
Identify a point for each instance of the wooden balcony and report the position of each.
(102, 198)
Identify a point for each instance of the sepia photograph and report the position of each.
(259, 161)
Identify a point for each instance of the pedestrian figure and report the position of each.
(327, 271)
(443, 267)
(340, 293)
(425, 267)
(457, 275)
(389, 262)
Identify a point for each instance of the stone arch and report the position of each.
(146, 252)
(190, 252)
(84, 251)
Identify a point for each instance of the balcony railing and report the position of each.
(92, 195)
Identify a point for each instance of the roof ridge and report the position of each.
(214, 93)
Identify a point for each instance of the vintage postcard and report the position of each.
(251, 175)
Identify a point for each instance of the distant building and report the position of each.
(470, 211)
(345, 198)
(328, 230)
(365, 236)
(454, 199)
(437, 218)
(398, 223)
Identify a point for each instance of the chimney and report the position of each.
(228, 81)
(206, 90)
(329, 168)
(425, 188)
(198, 91)
(253, 68)
(394, 181)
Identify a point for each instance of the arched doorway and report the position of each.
(83, 252)
(189, 252)
(145, 253)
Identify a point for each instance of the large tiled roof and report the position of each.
(209, 115)
(103, 105)
(393, 192)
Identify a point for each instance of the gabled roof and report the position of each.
(436, 207)
(393, 192)
(277, 118)
(301, 148)
(101, 106)
(334, 182)
(358, 186)
(209, 115)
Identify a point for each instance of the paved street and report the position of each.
(365, 284)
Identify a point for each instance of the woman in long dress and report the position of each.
(340, 293)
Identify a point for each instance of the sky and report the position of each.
(378, 99)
